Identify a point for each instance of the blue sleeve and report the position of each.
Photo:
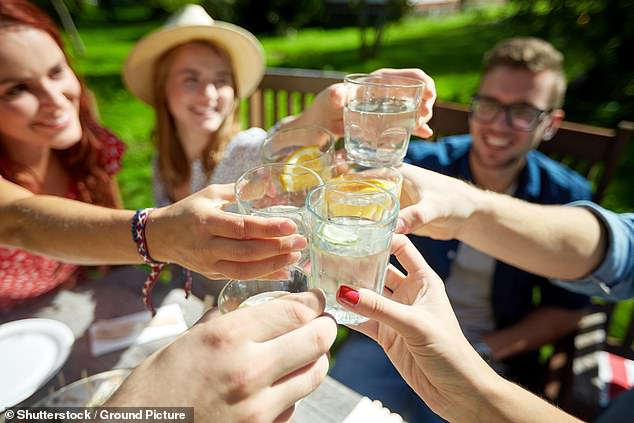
(614, 278)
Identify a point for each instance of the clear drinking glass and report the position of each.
(350, 224)
(379, 116)
(310, 146)
(237, 293)
(277, 190)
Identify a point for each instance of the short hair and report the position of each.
(533, 54)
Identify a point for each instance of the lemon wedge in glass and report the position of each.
(296, 180)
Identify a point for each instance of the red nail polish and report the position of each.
(348, 295)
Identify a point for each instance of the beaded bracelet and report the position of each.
(138, 223)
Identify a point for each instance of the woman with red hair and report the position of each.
(58, 193)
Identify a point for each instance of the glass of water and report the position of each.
(350, 224)
(379, 116)
(310, 146)
(237, 294)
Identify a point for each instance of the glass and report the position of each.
(237, 294)
(310, 146)
(379, 116)
(385, 177)
(350, 224)
(520, 116)
(277, 190)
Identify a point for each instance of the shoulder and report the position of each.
(443, 152)
(111, 149)
(248, 138)
(565, 184)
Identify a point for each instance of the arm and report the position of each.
(239, 366)
(522, 234)
(542, 326)
(225, 244)
(416, 326)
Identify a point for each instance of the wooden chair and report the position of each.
(285, 92)
(592, 151)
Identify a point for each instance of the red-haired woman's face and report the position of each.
(39, 93)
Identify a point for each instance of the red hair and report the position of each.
(83, 159)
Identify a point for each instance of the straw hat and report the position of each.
(193, 23)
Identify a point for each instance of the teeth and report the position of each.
(203, 109)
(498, 142)
(57, 120)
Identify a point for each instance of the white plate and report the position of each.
(31, 352)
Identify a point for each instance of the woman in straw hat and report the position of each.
(58, 195)
(193, 71)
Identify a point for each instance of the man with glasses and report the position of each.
(505, 312)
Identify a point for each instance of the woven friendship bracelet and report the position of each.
(138, 236)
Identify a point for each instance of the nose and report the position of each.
(51, 95)
(211, 92)
(502, 120)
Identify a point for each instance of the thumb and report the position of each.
(410, 219)
(369, 304)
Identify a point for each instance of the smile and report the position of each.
(58, 122)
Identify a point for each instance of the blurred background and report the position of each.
(446, 38)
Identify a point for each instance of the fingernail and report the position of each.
(348, 295)
(288, 227)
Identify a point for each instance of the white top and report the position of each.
(242, 153)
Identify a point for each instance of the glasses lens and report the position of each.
(524, 117)
(484, 109)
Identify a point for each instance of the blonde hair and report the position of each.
(173, 165)
(533, 54)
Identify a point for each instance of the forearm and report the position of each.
(543, 326)
(68, 230)
(553, 241)
(506, 402)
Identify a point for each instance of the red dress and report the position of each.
(24, 275)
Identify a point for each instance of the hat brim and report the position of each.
(245, 51)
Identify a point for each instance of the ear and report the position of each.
(556, 117)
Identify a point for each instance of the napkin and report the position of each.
(368, 411)
(137, 328)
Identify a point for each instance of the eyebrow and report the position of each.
(191, 71)
(22, 79)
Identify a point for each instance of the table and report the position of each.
(118, 293)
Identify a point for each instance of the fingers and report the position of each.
(290, 389)
(408, 255)
(256, 249)
(307, 344)
(280, 316)
(376, 307)
(245, 270)
(410, 219)
(235, 226)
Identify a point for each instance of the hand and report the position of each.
(433, 204)
(416, 326)
(428, 97)
(327, 109)
(252, 364)
(197, 234)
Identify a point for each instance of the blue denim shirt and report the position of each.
(614, 278)
(542, 181)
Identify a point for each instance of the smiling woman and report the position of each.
(50, 141)
(193, 72)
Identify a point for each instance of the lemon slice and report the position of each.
(337, 235)
(370, 210)
(302, 156)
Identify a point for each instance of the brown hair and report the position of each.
(173, 165)
(82, 160)
(533, 54)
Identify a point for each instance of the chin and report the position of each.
(67, 139)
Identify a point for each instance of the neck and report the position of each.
(497, 179)
(193, 142)
(36, 158)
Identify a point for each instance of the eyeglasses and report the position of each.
(520, 116)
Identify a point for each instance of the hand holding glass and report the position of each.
(379, 116)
